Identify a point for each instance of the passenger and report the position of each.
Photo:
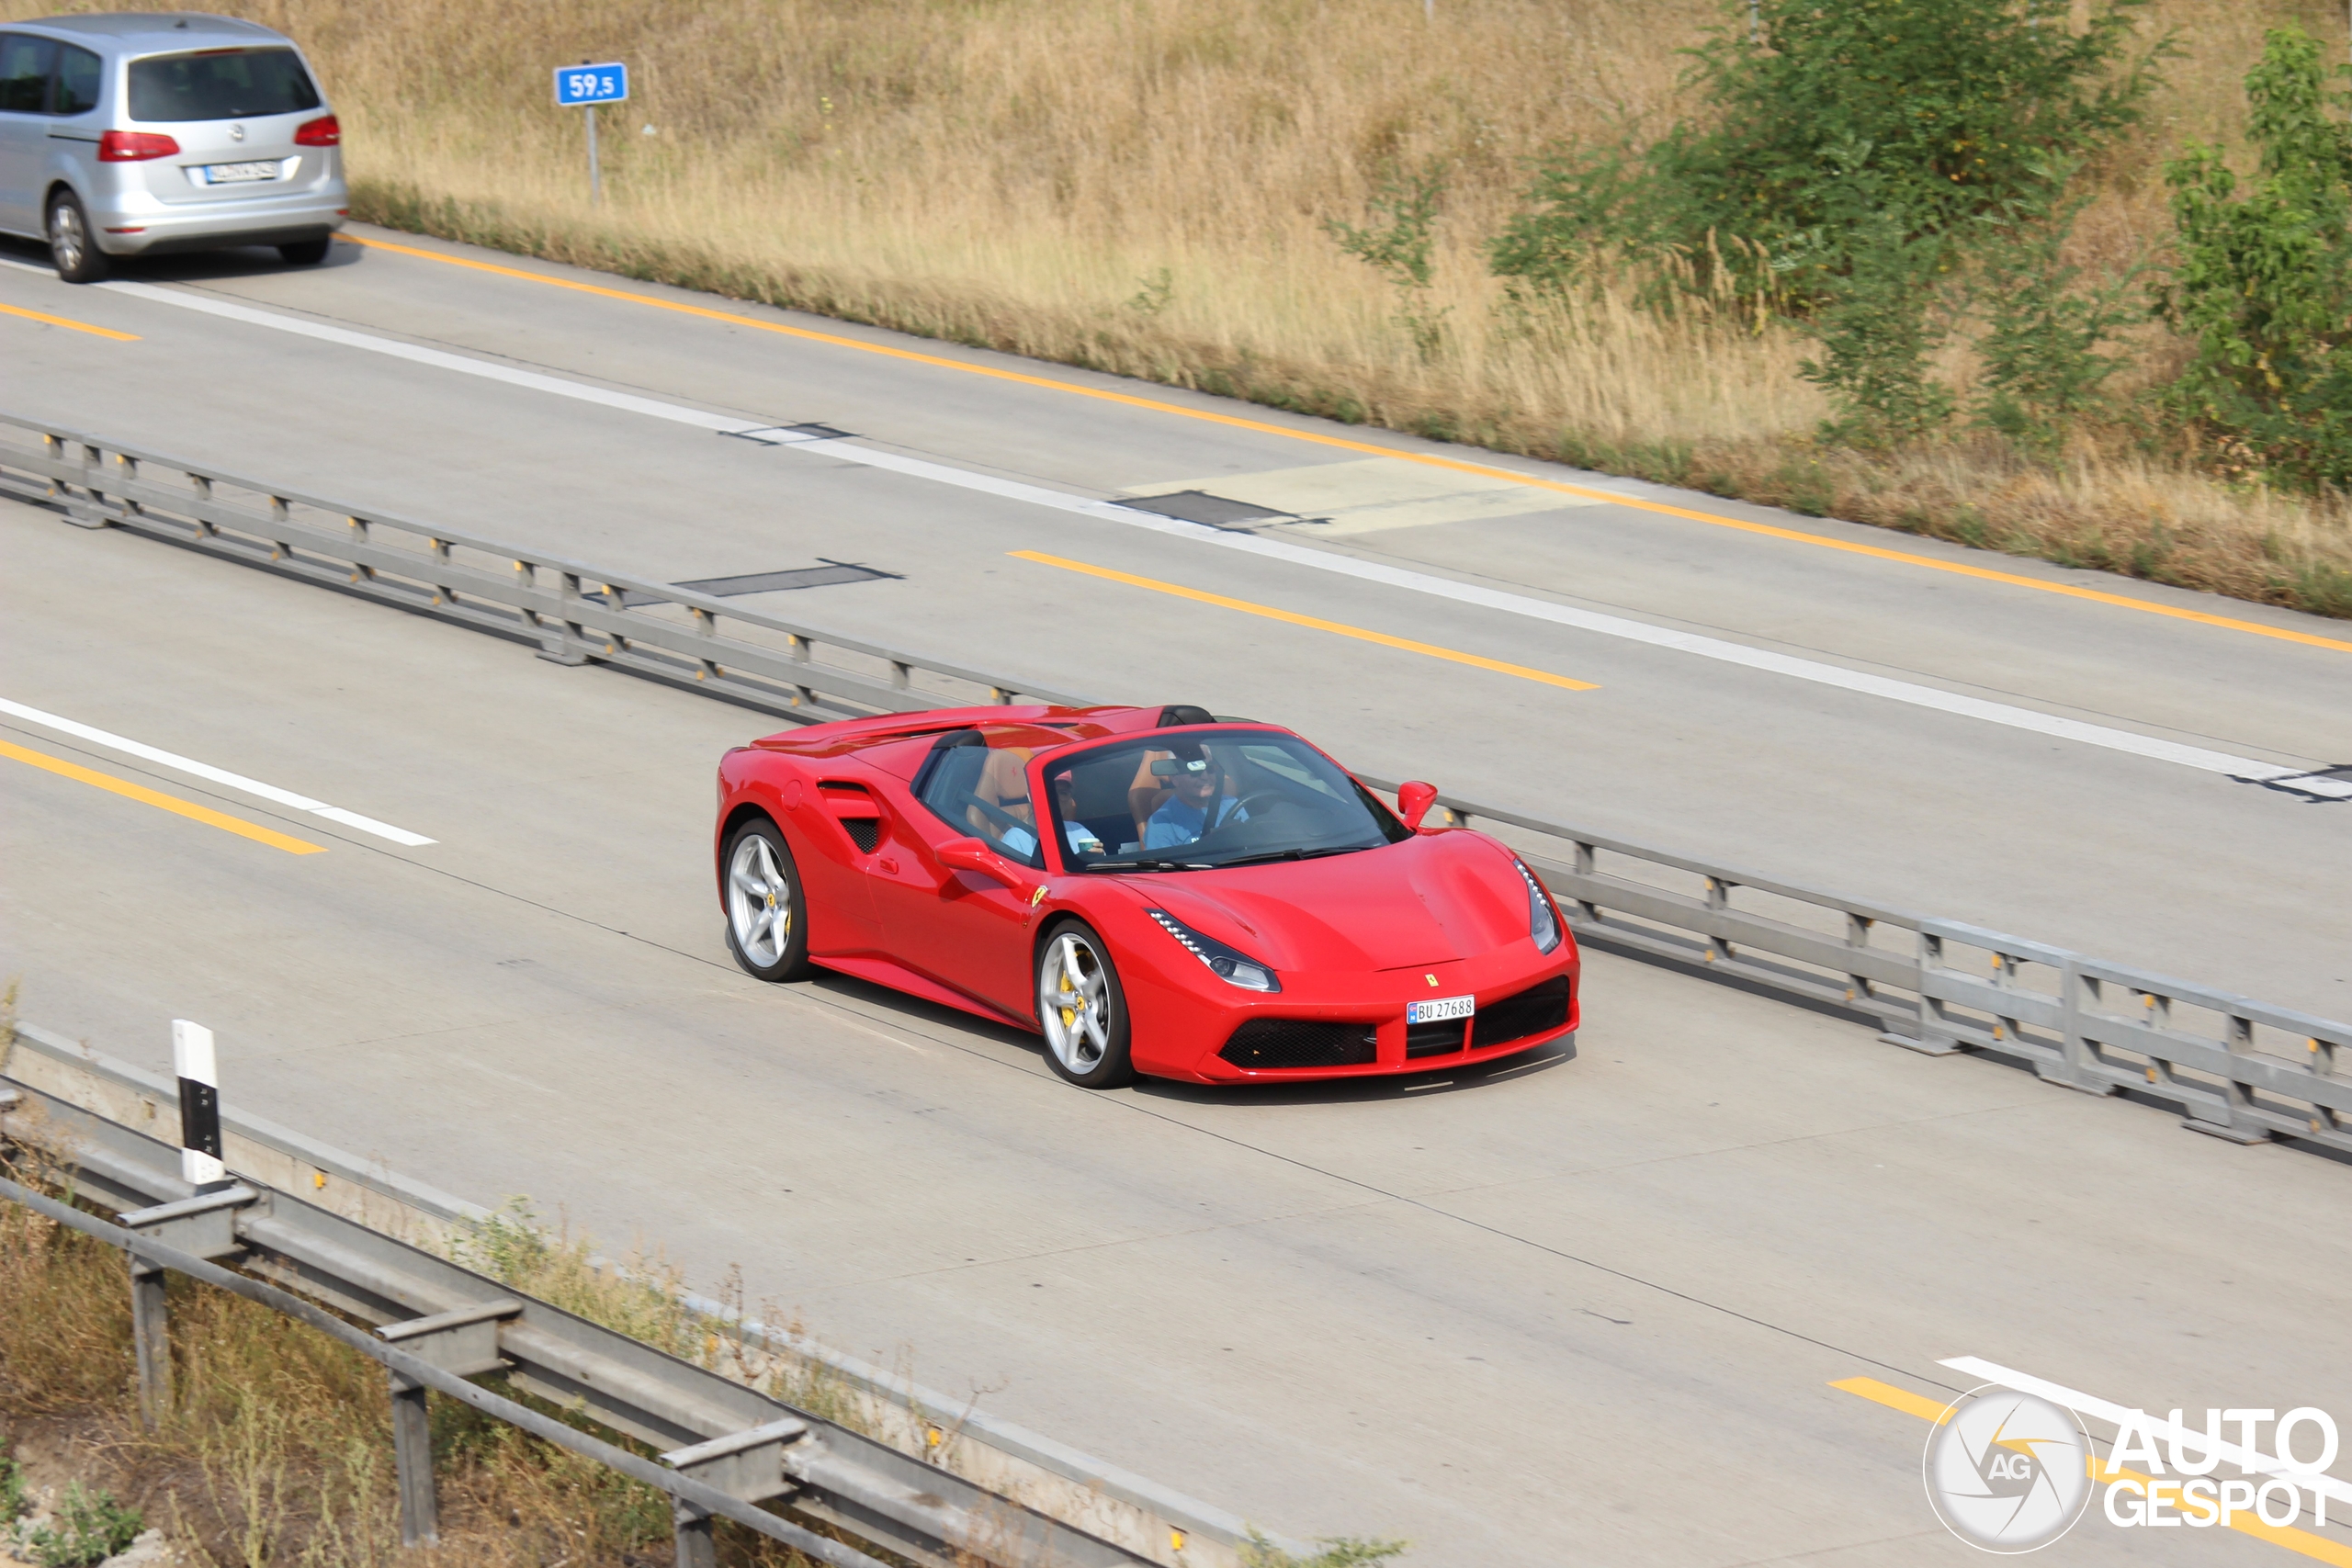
(1075, 833)
(1200, 801)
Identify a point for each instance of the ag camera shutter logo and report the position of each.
(2007, 1472)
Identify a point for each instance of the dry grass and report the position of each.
(278, 1447)
(1141, 186)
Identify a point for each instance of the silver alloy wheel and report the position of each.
(759, 902)
(69, 241)
(1074, 1002)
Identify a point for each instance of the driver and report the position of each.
(1198, 803)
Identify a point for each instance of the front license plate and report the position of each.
(239, 173)
(1437, 1009)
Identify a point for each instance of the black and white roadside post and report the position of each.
(198, 1072)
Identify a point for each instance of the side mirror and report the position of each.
(1413, 802)
(970, 854)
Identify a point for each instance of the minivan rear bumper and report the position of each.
(159, 228)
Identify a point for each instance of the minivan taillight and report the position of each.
(134, 146)
(321, 132)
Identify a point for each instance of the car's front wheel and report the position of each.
(767, 923)
(1082, 1010)
(72, 245)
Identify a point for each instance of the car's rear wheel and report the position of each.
(767, 921)
(1082, 1008)
(72, 245)
(303, 252)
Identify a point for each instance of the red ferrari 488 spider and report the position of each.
(1153, 889)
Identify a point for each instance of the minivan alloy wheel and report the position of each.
(71, 247)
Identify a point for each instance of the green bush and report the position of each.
(92, 1527)
(14, 1504)
(1922, 115)
(2264, 280)
(2041, 350)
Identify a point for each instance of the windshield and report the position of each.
(1208, 798)
(220, 84)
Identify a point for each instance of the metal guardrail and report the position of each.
(2232, 1066)
(573, 612)
(1080, 1491)
(725, 1447)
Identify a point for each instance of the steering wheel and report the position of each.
(1272, 797)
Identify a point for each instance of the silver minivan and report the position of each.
(143, 135)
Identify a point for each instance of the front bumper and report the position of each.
(159, 228)
(1181, 1036)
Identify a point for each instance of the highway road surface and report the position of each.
(1584, 1308)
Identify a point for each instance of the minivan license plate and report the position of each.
(1437, 1009)
(239, 173)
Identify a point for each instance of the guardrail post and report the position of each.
(2238, 1124)
(1718, 900)
(747, 1464)
(2077, 1063)
(205, 527)
(150, 1334)
(1934, 1039)
(690, 1528)
(359, 531)
(413, 1461)
(86, 510)
(1588, 864)
(1857, 934)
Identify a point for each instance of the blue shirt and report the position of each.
(1176, 823)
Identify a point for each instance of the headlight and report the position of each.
(1233, 968)
(1542, 923)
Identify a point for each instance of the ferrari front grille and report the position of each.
(1276, 1042)
(1443, 1038)
(1531, 1011)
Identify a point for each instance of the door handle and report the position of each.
(887, 865)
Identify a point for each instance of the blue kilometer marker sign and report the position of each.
(578, 84)
(585, 86)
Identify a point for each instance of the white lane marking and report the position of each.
(438, 358)
(173, 760)
(1717, 649)
(2165, 1429)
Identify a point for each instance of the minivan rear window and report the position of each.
(220, 84)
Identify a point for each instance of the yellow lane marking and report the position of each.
(171, 802)
(46, 319)
(2297, 1540)
(1430, 459)
(1896, 1398)
(1359, 633)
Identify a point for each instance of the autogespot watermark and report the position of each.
(2010, 1473)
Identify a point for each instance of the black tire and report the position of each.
(1088, 1056)
(72, 244)
(304, 252)
(759, 883)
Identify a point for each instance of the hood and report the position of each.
(1433, 897)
